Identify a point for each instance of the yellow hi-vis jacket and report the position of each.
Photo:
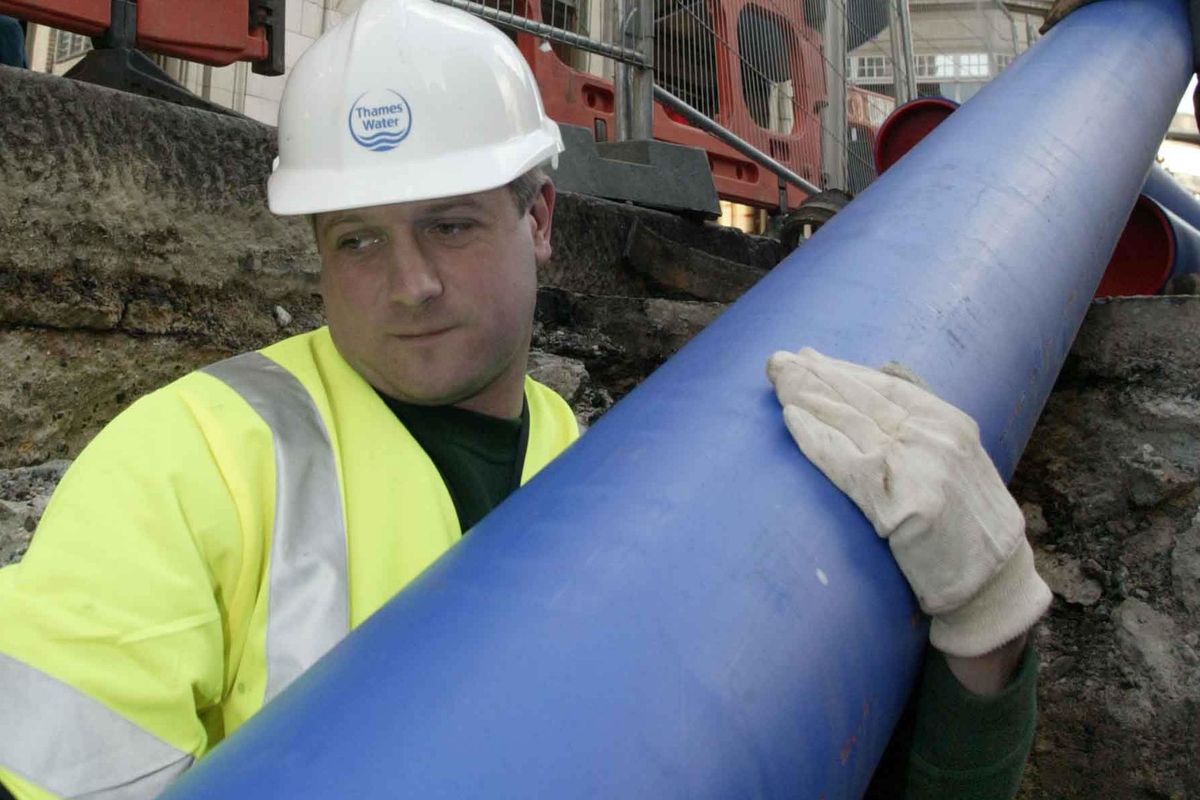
(207, 547)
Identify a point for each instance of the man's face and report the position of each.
(432, 302)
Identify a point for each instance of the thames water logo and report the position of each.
(380, 120)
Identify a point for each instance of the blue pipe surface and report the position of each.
(681, 605)
(913, 121)
(1186, 242)
(1167, 192)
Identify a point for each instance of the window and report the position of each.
(69, 45)
(873, 68)
(1003, 61)
(952, 65)
(973, 65)
(934, 66)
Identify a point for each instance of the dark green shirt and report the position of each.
(950, 744)
(480, 458)
(955, 745)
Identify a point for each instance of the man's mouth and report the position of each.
(422, 334)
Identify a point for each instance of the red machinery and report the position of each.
(215, 32)
(88, 17)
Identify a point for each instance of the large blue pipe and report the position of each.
(681, 605)
(912, 122)
(1159, 242)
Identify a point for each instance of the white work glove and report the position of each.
(915, 466)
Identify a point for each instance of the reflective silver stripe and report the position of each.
(74, 745)
(308, 600)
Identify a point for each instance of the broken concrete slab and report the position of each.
(566, 376)
(1067, 580)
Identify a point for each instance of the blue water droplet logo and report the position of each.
(380, 120)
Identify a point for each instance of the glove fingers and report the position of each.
(895, 382)
(855, 386)
(1060, 10)
(898, 370)
(830, 450)
(861, 431)
(782, 362)
(778, 364)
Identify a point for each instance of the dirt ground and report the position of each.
(1111, 486)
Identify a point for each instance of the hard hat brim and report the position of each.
(293, 191)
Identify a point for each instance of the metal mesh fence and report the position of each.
(582, 33)
(685, 53)
(748, 65)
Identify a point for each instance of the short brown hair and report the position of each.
(524, 188)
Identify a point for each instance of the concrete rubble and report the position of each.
(137, 246)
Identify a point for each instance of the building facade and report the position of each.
(957, 46)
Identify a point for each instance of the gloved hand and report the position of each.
(915, 466)
(1059, 10)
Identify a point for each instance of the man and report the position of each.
(1062, 8)
(12, 43)
(224, 532)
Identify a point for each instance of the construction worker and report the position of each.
(12, 43)
(224, 532)
(1060, 9)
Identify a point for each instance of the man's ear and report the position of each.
(541, 215)
(312, 222)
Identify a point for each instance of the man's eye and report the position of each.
(449, 230)
(356, 242)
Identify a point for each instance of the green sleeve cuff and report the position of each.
(970, 746)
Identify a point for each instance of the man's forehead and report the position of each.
(416, 209)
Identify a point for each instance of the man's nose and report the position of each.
(412, 276)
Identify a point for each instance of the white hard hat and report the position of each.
(406, 100)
